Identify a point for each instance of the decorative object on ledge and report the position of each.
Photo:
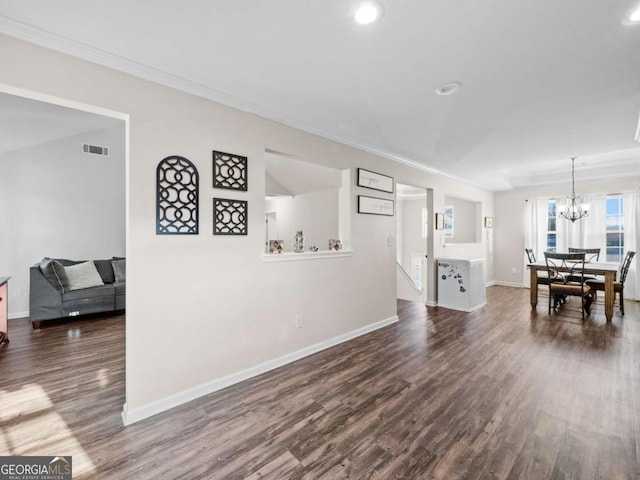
(439, 221)
(176, 197)
(229, 171)
(298, 242)
(334, 245)
(230, 216)
(313, 248)
(276, 246)
(375, 206)
(376, 181)
(573, 210)
(488, 222)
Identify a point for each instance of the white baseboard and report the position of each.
(14, 315)
(134, 415)
(506, 284)
(431, 303)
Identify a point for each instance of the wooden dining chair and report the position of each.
(618, 286)
(543, 275)
(590, 254)
(564, 268)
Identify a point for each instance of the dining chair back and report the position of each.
(626, 264)
(530, 255)
(567, 270)
(542, 277)
(591, 254)
(618, 286)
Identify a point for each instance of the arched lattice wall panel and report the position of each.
(176, 197)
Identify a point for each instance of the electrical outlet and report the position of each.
(299, 321)
(514, 270)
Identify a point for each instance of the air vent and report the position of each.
(95, 149)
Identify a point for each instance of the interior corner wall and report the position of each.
(62, 203)
(211, 301)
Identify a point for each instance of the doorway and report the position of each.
(65, 190)
(412, 246)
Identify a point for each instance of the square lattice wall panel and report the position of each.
(229, 171)
(230, 216)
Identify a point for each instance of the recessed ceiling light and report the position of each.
(449, 88)
(633, 17)
(368, 12)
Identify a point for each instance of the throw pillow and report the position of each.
(83, 275)
(54, 272)
(105, 270)
(120, 270)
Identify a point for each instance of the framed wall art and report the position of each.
(230, 217)
(176, 197)
(375, 181)
(439, 221)
(448, 220)
(229, 171)
(375, 206)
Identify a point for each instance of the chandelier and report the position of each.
(573, 210)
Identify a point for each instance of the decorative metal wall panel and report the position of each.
(230, 216)
(229, 171)
(176, 197)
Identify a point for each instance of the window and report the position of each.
(551, 227)
(615, 229)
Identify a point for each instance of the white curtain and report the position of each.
(631, 206)
(536, 217)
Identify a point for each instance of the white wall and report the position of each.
(315, 213)
(411, 240)
(62, 203)
(466, 220)
(220, 309)
(510, 229)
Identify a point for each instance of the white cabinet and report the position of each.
(461, 284)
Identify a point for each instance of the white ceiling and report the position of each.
(543, 80)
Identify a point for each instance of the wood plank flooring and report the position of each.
(500, 393)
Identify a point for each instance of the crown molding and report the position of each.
(62, 44)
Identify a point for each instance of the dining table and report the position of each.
(608, 270)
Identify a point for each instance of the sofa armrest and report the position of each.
(45, 302)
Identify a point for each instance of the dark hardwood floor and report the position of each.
(502, 392)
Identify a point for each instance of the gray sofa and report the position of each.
(53, 293)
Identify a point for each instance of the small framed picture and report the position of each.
(375, 206)
(375, 181)
(488, 222)
(439, 221)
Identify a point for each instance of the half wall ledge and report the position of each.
(292, 256)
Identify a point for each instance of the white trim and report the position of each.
(431, 303)
(467, 310)
(506, 284)
(63, 102)
(291, 256)
(18, 315)
(153, 408)
(56, 42)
